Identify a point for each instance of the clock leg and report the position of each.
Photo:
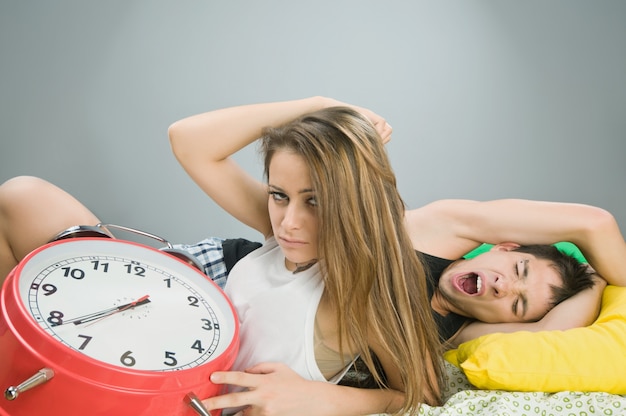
(41, 377)
(195, 403)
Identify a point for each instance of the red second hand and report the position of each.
(130, 305)
(141, 299)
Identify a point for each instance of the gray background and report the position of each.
(488, 99)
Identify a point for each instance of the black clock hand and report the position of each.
(108, 312)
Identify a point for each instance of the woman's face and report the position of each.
(293, 208)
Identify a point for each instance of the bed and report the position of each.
(580, 371)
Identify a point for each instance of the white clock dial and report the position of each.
(137, 308)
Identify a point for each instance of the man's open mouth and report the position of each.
(471, 283)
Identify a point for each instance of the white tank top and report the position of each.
(276, 310)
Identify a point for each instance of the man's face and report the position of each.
(499, 286)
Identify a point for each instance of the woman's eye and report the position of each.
(278, 196)
(312, 202)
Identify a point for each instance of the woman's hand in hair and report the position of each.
(383, 128)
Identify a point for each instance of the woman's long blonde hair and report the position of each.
(372, 274)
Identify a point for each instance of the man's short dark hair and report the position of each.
(575, 276)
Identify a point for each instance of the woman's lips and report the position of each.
(292, 242)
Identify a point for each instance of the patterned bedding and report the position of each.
(463, 399)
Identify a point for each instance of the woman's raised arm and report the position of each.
(203, 145)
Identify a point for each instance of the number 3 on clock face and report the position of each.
(128, 308)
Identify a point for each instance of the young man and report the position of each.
(516, 285)
(503, 290)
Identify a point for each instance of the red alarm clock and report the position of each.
(102, 326)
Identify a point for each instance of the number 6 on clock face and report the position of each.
(124, 306)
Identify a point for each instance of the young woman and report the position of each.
(336, 278)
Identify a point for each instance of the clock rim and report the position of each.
(54, 354)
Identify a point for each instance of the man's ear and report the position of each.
(507, 246)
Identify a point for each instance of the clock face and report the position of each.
(126, 304)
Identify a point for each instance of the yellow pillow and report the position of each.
(581, 359)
